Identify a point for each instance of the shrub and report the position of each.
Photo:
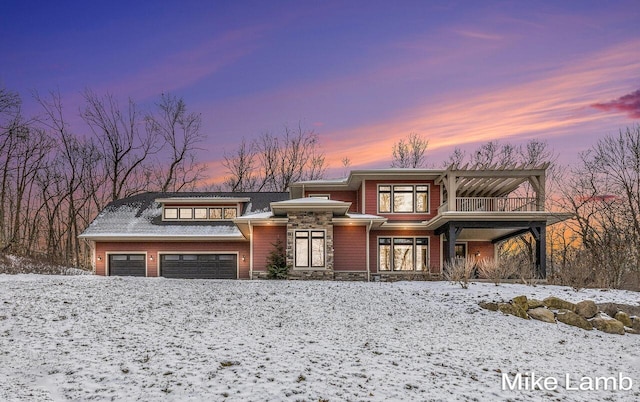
(495, 270)
(277, 267)
(460, 270)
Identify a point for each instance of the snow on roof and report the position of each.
(141, 217)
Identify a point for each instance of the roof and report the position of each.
(140, 217)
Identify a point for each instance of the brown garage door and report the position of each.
(127, 265)
(199, 266)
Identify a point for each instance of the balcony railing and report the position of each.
(495, 204)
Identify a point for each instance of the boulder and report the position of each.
(631, 331)
(635, 323)
(608, 325)
(520, 301)
(570, 318)
(624, 318)
(587, 308)
(512, 309)
(557, 303)
(610, 309)
(488, 305)
(542, 314)
(534, 303)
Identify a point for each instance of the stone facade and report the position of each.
(349, 276)
(300, 220)
(409, 276)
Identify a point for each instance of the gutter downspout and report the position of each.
(368, 257)
(250, 250)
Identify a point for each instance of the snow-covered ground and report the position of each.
(94, 338)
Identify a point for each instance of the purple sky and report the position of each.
(361, 74)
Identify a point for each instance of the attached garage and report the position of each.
(127, 265)
(199, 266)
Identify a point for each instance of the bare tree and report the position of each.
(410, 152)
(272, 163)
(181, 134)
(604, 194)
(125, 151)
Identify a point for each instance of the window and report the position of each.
(461, 250)
(230, 213)
(200, 213)
(310, 249)
(403, 199)
(403, 253)
(215, 213)
(171, 213)
(186, 213)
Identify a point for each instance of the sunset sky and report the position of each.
(362, 74)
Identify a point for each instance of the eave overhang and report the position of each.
(532, 216)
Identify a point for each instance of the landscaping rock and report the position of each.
(489, 306)
(557, 303)
(608, 325)
(610, 309)
(520, 301)
(513, 309)
(635, 323)
(624, 318)
(587, 309)
(534, 303)
(570, 318)
(631, 331)
(542, 314)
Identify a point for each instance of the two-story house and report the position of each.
(375, 224)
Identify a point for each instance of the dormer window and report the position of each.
(185, 213)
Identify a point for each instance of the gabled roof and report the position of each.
(140, 217)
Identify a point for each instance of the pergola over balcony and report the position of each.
(477, 204)
(487, 189)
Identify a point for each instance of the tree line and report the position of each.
(54, 180)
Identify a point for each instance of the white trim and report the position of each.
(364, 196)
(173, 238)
(204, 201)
(368, 255)
(250, 250)
(237, 254)
(108, 253)
(325, 196)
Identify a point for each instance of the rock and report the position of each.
(570, 318)
(557, 303)
(610, 309)
(489, 306)
(520, 301)
(608, 325)
(587, 308)
(534, 303)
(512, 309)
(631, 331)
(542, 314)
(624, 318)
(635, 323)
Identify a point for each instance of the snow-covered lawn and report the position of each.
(95, 338)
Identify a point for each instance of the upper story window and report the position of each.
(403, 199)
(199, 213)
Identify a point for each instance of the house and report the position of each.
(378, 224)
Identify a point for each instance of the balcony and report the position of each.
(492, 204)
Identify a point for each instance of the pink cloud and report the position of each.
(629, 103)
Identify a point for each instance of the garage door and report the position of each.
(127, 264)
(199, 266)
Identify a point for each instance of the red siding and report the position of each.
(371, 200)
(486, 249)
(346, 196)
(152, 249)
(350, 248)
(434, 246)
(263, 239)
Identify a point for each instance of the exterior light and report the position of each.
(478, 253)
(99, 258)
(243, 258)
(151, 257)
